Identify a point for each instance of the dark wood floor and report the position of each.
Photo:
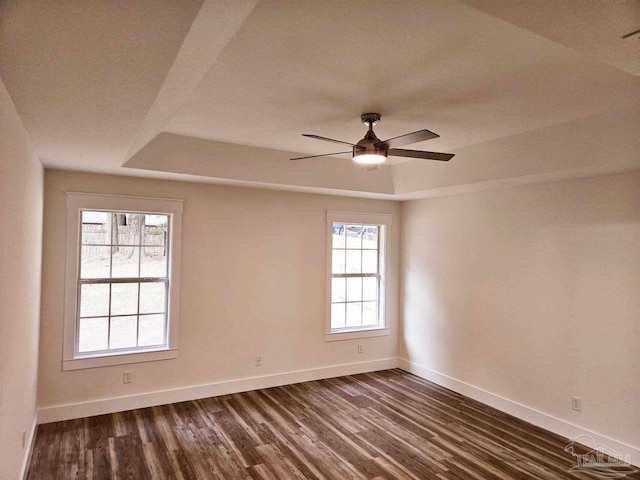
(383, 425)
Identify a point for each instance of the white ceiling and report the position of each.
(220, 91)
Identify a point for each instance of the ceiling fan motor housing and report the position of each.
(367, 146)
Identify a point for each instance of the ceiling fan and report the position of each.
(372, 150)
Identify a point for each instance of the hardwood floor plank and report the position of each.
(386, 425)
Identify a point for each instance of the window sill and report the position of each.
(351, 334)
(118, 359)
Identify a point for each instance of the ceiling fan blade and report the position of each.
(318, 137)
(323, 155)
(414, 137)
(400, 152)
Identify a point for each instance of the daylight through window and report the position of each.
(122, 279)
(357, 262)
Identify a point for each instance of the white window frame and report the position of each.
(76, 202)
(382, 220)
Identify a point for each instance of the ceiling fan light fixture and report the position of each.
(369, 158)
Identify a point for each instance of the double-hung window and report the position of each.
(357, 252)
(122, 280)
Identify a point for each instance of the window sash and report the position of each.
(109, 316)
(122, 280)
(379, 248)
(76, 204)
(85, 281)
(355, 275)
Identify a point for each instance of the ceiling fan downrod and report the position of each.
(366, 150)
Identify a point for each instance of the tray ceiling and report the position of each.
(220, 91)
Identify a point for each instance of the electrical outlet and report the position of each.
(258, 360)
(24, 439)
(576, 404)
(359, 348)
(127, 377)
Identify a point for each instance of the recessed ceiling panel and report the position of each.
(233, 85)
(314, 67)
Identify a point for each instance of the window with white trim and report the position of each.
(357, 265)
(122, 277)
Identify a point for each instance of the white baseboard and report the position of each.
(110, 405)
(523, 412)
(57, 413)
(31, 440)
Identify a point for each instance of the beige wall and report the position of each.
(253, 282)
(21, 177)
(533, 294)
(529, 293)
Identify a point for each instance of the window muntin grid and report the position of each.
(355, 276)
(131, 314)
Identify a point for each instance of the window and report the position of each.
(122, 278)
(357, 244)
